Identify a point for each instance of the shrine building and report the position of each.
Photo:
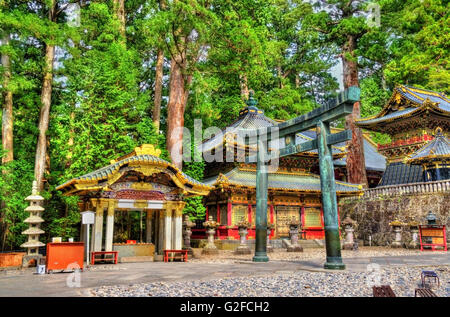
(413, 117)
(294, 189)
(139, 180)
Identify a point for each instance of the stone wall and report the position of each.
(373, 214)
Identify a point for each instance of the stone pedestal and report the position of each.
(243, 247)
(397, 243)
(349, 241)
(269, 247)
(210, 248)
(31, 260)
(187, 232)
(210, 226)
(414, 243)
(294, 246)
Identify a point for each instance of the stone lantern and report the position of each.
(397, 228)
(414, 229)
(210, 226)
(243, 248)
(431, 218)
(34, 222)
(349, 227)
(187, 232)
(294, 226)
(270, 227)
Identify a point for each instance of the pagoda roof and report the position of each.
(280, 180)
(406, 102)
(437, 149)
(373, 159)
(253, 118)
(142, 159)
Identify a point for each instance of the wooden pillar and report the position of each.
(97, 236)
(229, 220)
(148, 226)
(177, 241)
(161, 231)
(167, 245)
(110, 226)
(218, 214)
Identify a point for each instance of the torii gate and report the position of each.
(320, 119)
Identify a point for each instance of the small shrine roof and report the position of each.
(405, 102)
(373, 159)
(400, 173)
(437, 149)
(142, 156)
(286, 181)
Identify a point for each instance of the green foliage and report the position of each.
(195, 169)
(421, 46)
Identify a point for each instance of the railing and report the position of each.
(408, 189)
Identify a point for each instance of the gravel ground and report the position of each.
(403, 281)
(225, 256)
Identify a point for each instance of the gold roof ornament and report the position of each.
(147, 149)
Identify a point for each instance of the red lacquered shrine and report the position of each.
(294, 188)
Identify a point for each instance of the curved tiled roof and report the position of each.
(438, 148)
(304, 182)
(374, 160)
(104, 173)
(249, 118)
(417, 100)
(253, 118)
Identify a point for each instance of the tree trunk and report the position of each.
(244, 87)
(119, 10)
(280, 76)
(297, 81)
(46, 99)
(175, 110)
(158, 89)
(356, 169)
(7, 115)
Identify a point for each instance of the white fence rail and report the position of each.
(409, 189)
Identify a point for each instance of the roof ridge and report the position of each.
(428, 92)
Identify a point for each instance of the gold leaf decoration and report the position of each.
(147, 149)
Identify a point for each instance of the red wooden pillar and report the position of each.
(218, 214)
(229, 213)
(303, 220)
(272, 233)
(249, 212)
(339, 220)
(321, 219)
(207, 213)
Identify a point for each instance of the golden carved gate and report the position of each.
(284, 214)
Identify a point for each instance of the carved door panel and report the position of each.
(313, 218)
(284, 214)
(239, 213)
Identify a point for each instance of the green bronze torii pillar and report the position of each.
(320, 119)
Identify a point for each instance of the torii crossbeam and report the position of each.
(320, 119)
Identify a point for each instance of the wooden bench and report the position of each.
(103, 258)
(183, 253)
(424, 292)
(383, 291)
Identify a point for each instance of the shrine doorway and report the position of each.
(139, 181)
(284, 215)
